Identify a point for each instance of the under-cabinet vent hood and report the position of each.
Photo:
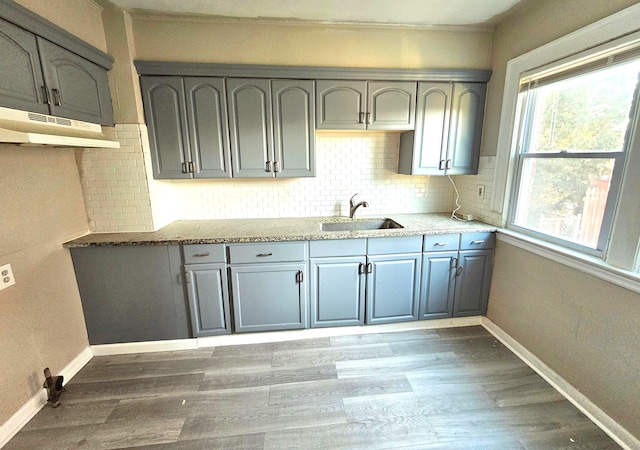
(27, 128)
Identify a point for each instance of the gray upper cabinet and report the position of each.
(362, 105)
(40, 76)
(272, 127)
(165, 114)
(250, 127)
(208, 128)
(79, 89)
(187, 125)
(293, 127)
(21, 82)
(446, 140)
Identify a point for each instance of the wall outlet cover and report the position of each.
(6, 276)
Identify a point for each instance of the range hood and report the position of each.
(27, 128)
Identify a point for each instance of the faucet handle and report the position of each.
(351, 202)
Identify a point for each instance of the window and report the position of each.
(573, 137)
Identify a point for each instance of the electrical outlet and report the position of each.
(481, 189)
(6, 276)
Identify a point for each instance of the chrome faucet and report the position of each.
(354, 206)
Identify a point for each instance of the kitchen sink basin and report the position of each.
(360, 225)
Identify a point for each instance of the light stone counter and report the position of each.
(277, 229)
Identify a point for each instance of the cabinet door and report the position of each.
(337, 291)
(293, 127)
(393, 288)
(131, 293)
(467, 113)
(208, 299)
(437, 287)
(79, 88)
(250, 127)
(208, 128)
(340, 105)
(391, 105)
(472, 283)
(269, 297)
(432, 128)
(166, 118)
(21, 82)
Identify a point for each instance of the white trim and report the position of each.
(590, 265)
(18, 420)
(278, 336)
(586, 406)
(144, 347)
(618, 24)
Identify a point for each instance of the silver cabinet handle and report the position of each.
(275, 167)
(441, 165)
(202, 255)
(57, 97)
(477, 242)
(441, 244)
(361, 117)
(448, 164)
(360, 268)
(45, 95)
(264, 254)
(187, 277)
(369, 268)
(300, 276)
(368, 118)
(267, 166)
(184, 168)
(191, 168)
(459, 270)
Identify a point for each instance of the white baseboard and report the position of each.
(276, 336)
(15, 423)
(586, 406)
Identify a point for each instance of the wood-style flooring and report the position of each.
(456, 388)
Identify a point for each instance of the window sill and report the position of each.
(584, 263)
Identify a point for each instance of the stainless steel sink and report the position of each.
(360, 225)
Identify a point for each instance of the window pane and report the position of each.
(564, 197)
(586, 113)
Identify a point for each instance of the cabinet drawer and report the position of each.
(477, 241)
(337, 247)
(267, 252)
(203, 253)
(441, 242)
(391, 245)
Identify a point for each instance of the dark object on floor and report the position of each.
(54, 388)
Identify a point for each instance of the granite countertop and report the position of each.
(276, 229)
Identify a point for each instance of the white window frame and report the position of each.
(522, 154)
(604, 35)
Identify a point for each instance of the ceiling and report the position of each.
(417, 13)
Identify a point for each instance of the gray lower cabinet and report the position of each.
(268, 286)
(393, 279)
(40, 76)
(337, 282)
(456, 274)
(472, 282)
(187, 125)
(208, 294)
(446, 140)
(438, 284)
(131, 293)
(365, 105)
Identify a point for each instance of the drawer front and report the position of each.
(477, 241)
(337, 247)
(203, 253)
(441, 242)
(392, 245)
(267, 252)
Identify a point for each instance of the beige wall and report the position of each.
(241, 42)
(541, 22)
(79, 17)
(585, 329)
(41, 320)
